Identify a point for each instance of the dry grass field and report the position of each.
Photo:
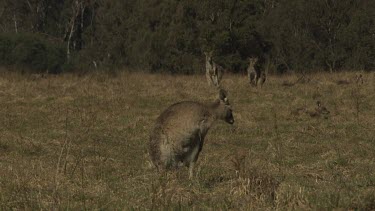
(69, 142)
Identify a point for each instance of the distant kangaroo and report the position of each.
(262, 78)
(214, 72)
(178, 135)
(359, 79)
(253, 74)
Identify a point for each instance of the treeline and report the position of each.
(171, 35)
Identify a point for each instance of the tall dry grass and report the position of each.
(69, 142)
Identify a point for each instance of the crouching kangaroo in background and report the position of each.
(178, 135)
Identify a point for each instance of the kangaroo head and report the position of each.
(208, 56)
(253, 60)
(223, 108)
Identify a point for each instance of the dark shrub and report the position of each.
(31, 52)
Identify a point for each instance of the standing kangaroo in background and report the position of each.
(253, 74)
(262, 78)
(214, 72)
(178, 135)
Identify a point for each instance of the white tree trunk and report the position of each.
(15, 23)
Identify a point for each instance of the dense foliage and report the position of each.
(171, 35)
(31, 52)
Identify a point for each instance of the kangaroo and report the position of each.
(178, 135)
(214, 72)
(253, 74)
(359, 79)
(319, 111)
(218, 72)
(262, 79)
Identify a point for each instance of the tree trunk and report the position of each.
(69, 38)
(15, 23)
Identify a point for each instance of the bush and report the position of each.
(31, 52)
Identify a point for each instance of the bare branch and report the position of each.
(15, 23)
(30, 6)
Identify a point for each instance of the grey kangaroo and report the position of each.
(178, 134)
(214, 72)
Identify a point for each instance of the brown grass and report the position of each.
(69, 142)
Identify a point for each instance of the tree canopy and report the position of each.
(172, 35)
